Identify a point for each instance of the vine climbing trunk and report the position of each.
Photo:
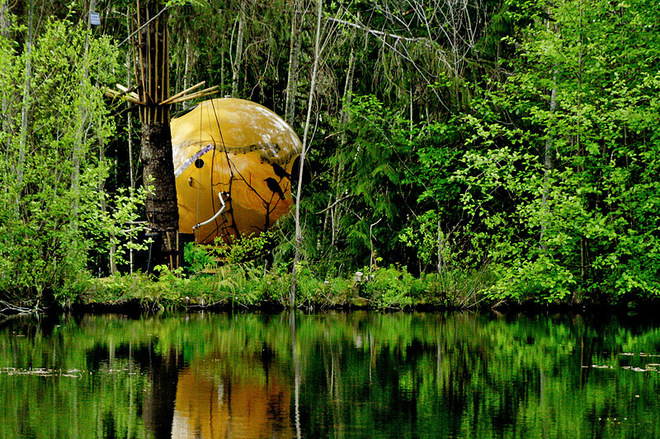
(152, 72)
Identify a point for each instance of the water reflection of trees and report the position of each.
(357, 374)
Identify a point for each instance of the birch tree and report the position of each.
(303, 154)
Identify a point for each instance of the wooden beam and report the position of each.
(167, 101)
(199, 94)
(132, 97)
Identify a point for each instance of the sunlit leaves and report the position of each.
(65, 130)
(569, 208)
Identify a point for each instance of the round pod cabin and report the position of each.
(233, 161)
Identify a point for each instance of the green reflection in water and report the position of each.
(331, 375)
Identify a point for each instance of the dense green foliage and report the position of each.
(561, 173)
(54, 131)
(508, 140)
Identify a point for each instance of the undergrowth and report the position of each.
(236, 277)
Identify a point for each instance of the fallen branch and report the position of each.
(8, 308)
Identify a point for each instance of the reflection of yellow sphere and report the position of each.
(233, 155)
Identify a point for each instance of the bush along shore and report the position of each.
(243, 277)
(249, 287)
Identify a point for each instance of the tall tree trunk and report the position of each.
(7, 126)
(333, 210)
(238, 56)
(153, 79)
(5, 32)
(129, 136)
(223, 55)
(83, 116)
(294, 62)
(186, 68)
(548, 158)
(584, 242)
(27, 89)
(548, 164)
(303, 153)
(441, 245)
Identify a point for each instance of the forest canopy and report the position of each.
(509, 137)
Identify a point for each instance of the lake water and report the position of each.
(340, 375)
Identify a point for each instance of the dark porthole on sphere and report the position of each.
(199, 163)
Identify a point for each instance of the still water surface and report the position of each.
(331, 375)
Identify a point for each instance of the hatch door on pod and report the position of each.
(233, 160)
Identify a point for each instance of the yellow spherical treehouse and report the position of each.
(233, 161)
